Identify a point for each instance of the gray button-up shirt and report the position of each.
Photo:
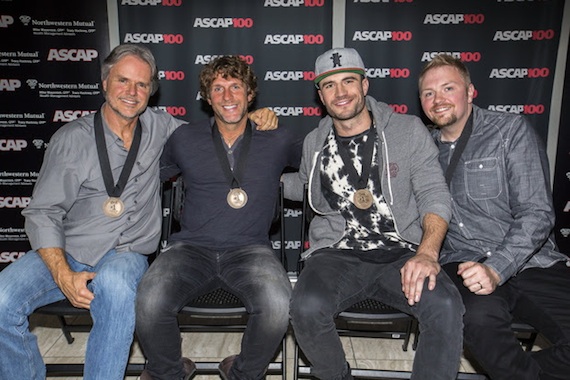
(502, 205)
(66, 209)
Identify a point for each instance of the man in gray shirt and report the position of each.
(93, 219)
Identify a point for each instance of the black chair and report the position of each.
(217, 311)
(368, 319)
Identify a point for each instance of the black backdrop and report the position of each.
(50, 52)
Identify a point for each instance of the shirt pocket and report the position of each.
(482, 178)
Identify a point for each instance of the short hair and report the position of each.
(228, 66)
(138, 51)
(442, 60)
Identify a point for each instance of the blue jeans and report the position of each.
(537, 296)
(27, 284)
(184, 272)
(333, 280)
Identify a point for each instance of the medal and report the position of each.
(237, 198)
(113, 207)
(363, 199)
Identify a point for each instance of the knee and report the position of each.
(308, 309)
(445, 310)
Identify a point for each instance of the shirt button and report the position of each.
(480, 166)
(488, 254)
(461, 225)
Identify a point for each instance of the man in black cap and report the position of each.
(382, 209)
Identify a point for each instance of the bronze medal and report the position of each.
(363, 199)
(237, 198)
(113, 207)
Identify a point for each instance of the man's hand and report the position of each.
(478, 278)
(265, 119)
(72, 284)
(414, 274)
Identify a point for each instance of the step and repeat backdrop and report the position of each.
(50, 52)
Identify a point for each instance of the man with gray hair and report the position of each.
(382, 209)
(93, 219)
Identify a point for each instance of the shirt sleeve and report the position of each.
(54, 193)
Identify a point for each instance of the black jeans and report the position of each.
(539, 297)
(253, 273)
(333, 280)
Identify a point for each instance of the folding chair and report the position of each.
(368, 319)
(219, 310)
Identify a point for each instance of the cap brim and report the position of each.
(355, 70)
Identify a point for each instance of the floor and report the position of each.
(213, 347)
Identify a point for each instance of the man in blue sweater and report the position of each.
(231, 174)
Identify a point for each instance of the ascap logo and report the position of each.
(6, 20)
(164, 3)
(69, 115)
(567, 208)
(527, 109)
(156, 38)
(222, 22)
(10, 84)
(289, 75)
(294, 39)
(523, 35)
(289, 244)
(296, 111)
(205, 59)
(465, 56)
(399, 108)
(10, 257)
(565, 232)
(518, 73)
(292, 213)
(173, 110)
(11, 144)
(14, 202)
(74, 55)
(379, 35)
(387, 73)
(444, 18)
(171, 75)
(293, 3)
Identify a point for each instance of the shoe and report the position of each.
(189, 370)
(225, 366)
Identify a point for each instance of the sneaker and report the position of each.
(225, 366)
(189, 370)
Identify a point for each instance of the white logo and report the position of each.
(32, 83)
(10, 84)
(74, 55)
(25, 19)
(565, 232)
(12, 144)
(14, 202)
(6, 20)
(39, 143)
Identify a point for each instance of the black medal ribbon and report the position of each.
(459, 147)
(361, 181)
(234, 176)
(112, 189)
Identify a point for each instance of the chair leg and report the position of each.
(65, 329)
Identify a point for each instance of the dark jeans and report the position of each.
(539, 297)
(252, 273)
(333, 280)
